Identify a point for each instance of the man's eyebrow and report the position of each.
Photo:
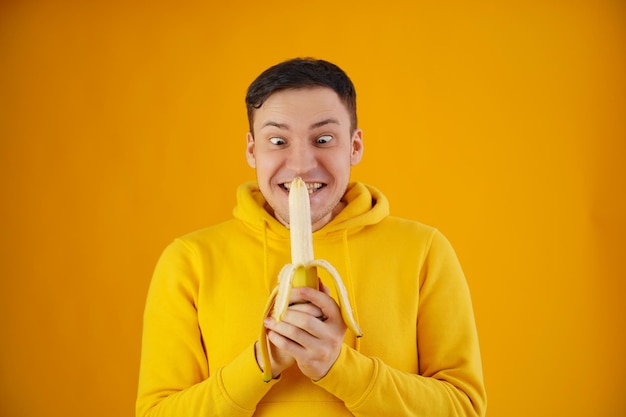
(316, 125)
(330, 120)
(271, 123)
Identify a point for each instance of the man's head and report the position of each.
(301, 73)
(301, 126)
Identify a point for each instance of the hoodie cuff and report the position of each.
(362, 371)
(242, 380)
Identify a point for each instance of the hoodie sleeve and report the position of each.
(450, 380)
(174, 379)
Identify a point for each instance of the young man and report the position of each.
(419, 355)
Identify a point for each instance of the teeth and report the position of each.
(310, 186)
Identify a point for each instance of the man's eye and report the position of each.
(324, 139)
(277, 141)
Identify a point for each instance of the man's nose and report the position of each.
(302, 158)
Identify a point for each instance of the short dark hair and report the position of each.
(301, 73)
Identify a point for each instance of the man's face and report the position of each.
(304, 133)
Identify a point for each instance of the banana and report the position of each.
(302, 271)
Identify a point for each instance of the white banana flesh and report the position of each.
(302, 271)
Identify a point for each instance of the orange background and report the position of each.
(123, 126)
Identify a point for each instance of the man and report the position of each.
(419, 355)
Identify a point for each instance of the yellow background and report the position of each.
(122, 126)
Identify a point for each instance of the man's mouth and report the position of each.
(310, 186)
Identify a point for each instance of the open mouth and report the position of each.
(310, 186)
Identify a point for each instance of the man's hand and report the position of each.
(281, 360)
(310, 334)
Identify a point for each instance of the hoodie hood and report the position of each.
(365, 206)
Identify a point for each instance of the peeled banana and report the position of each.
(302, 271)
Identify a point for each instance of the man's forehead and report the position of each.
(286, 125)
(319, 102)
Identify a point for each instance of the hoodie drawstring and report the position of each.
(350, 281)
(266, 275)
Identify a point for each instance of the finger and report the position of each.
(323, 301)
(309, 323)
(308, 308)
(297, 328)
(323, 288)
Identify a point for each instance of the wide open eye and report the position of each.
(277, 141)
(323, 139)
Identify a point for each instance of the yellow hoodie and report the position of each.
(419, 355)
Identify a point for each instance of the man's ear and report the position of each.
(250, 150)
(357, 147)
